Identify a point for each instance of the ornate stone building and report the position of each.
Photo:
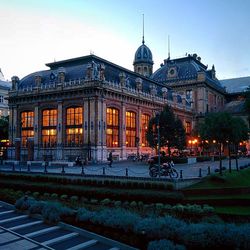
(4, 89)
(88, 106)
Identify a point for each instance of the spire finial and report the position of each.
(143, 29)
(168, 47)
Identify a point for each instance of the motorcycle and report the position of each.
(166, 169)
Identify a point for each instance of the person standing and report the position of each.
(110, 158)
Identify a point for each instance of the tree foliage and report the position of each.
(171, 130)
(4, 127)
(224, 128)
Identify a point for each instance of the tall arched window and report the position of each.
(144, 128)
(74, 121)
(112, 127)
(27, 126)
(49, 123)
(130, 129)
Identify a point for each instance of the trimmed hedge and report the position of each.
(203, 158)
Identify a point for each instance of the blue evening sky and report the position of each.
(35, 32)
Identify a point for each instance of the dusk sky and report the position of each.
(35, 32)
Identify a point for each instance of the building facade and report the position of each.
(4, 89)
(88, 106)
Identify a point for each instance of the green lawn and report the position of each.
(227, 180)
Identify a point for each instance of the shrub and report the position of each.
(159, 206)
(106, 202)
(116, 218)
(37, 207)
(46, 196)
(36, 195)
(64, 197)
(203, 158)
(164, 245)
(133, 204)
(73, 199)
(117, 203)
(94, 201)
(24, 202)
(83, 215)
(54, 196)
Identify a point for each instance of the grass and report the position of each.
(227, 180)
(233, 210)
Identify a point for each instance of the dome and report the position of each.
(143, 55)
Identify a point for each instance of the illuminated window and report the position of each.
(112, 127)
(74, 121)
(188, 128)
(130, 129)
(49, 123)
(144, 128)
(27, 126)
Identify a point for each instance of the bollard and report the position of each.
(82, 173)
(200, 173)
(126, 172)
(13, 166)
(45, 167)
(103, 170)
(181, 177)
(208, 170)
(28, 167)
(63, 170)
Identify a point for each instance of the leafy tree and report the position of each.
(217, 126)
(4, 127)
(172, 133)
(239, 132)
(247, 104)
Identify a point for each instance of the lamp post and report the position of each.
(158, 142)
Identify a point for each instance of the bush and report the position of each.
(36, 195)
(164, 245)
(24, 202)
(84, 215)
(37, 207)
(133, 204)
(117, 203)
(64, 197)
(54, 196)
(73, 199)
(46, 196)
(106, 202)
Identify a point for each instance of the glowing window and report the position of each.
(112, 116)
(27, 126)
(144, 128)
(130, 129)
(49, 123)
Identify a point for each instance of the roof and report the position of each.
(143, 55)
(5, 85)
(185, 68)
(235, 107)
(236, 85)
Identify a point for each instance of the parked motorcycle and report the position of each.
(166, 169)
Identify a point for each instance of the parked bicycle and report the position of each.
(166, 169)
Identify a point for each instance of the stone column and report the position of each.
(30, 146)
(17, 148)
(123, 132)
(59, 153)
(138, 131)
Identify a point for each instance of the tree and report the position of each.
(239, 132)
(247, 104)
(172, 133)
(217, 126)
(4, 127)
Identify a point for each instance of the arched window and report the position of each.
(144, 128)
(27, 126)
(130, 129)
(112, 127)
(49, 123)
(74, 121)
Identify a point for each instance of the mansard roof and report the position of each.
(185, 68)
